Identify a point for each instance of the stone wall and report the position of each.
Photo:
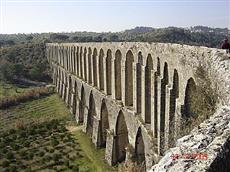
(129, 96)
(207, 147)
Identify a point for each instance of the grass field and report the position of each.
(10, 90)
(33, 137)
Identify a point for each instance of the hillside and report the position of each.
(23, 55)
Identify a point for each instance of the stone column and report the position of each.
(158, 115)
(135, 87)
(113, 78)
(177, 124)
(73, 96)
(77, 110)
(98, 73)
(129, 152)
(67, 93)
(109, 150)
(83, 64)
(167, 108)
(78, 62)
(104, 72)
(63, 91)
(86, 69)
(95, 131)
(86, 110)
(152, 102)
(143, 92)
(123, 81)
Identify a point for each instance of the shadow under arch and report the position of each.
(140, 149)
(129, 78)
(95, 67)
(101, 69)
(138, 82)
(91, 114)
(174, 94)
(121, 139)
(109, 72)
(75, 98)
(190, 90)
(164, 83)
(148, 87)
(82, 105)
(117, 69)
(103, 125)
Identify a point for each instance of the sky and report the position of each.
(36, 16)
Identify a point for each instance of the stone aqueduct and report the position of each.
(129, 97)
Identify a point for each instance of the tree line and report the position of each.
(23, 55)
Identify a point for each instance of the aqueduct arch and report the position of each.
(121, 138)
(103, 125)
(107, 79)
(91, 114)
(129, 78)
(109, 72)
(117, 75)
(140, 148)
(82, 105)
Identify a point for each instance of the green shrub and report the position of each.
(41, 153)
(51, 150)
(15, 146)
(54, 142)
(13, 168)
(75, 168)
(26, 144)
(5, 163)
(10, 155)
(56, 157)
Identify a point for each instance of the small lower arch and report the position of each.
(140, 150)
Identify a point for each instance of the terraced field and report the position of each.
(33, 137)
(36, 111)
(11, 90)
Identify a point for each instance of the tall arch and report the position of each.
(148, 86)
(91, 114)
(101, 69)
(129, 79)
(78, 62)
(140, 149)
(103, 125)
(67, 58)
(81, 63)
(138, 82)
(188, 101)
(89, 65)
(85, 64)
(109, 72)
(95, 67)
(121, 139)
(118, 75)
(82, 105)
(174, 94)
(164, 82)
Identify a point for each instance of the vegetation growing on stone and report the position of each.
(202, 103)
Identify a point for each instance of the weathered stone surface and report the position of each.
(123, 88)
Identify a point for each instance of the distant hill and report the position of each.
(140, 29)
(23, 55)
(197, 35)
(205, 29)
